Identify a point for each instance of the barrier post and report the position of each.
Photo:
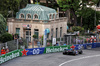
(27, 42)
(17, 44)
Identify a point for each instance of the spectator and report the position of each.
(21, 41)
(64, 44)
(57, 44)
(3, 51)
(48, 44)
(13, 36)
(7, 50)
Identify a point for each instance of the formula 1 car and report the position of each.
(72, 52)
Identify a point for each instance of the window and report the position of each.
(60, 31)
(22, 16)
(51, 33)
(53, 16)
(47, 35)
(50, 16)
(57, 16)
(35, 16)
(56, 32)
(28, 16)
(36, 32)
(18, 31)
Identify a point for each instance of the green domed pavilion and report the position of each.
(36, 12)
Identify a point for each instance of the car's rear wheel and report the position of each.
(74, 54)
(80, 52)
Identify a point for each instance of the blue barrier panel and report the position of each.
(86, 46)
(79, 46)
(97, 44)
(32, 51)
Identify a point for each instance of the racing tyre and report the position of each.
(64, 53)
(80, 52)
(74, 54)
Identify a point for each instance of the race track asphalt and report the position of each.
(88, 58)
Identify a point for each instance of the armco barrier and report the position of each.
(34, 51)
(9, 56)
(56, 48)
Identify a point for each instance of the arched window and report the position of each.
(35, 16)
(57, 16)
(29, 16)
(53, 16)
(22, 16)
(50, 16)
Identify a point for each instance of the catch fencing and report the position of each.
(15, 44)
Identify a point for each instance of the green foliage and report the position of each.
(77, 28)
(70, 31)
(34, 36)
(88, 18)
(76, 7)
(6, 37)
(2, 24)
(68, 4)
(16, 35)
(11, 5)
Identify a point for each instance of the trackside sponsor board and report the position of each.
(9, 56)
(80, 46)
(33, 51)
(56, 49)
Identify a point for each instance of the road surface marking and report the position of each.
(78, 59)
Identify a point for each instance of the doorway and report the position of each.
(28, 35)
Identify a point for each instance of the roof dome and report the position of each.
(42, 12)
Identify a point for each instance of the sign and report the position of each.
(55, 49)
(26, 26)
(32, 51)
(9, 56)
(54, 41)
(79, 46)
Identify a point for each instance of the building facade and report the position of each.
(34, 19)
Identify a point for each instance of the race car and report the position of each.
(72, 52)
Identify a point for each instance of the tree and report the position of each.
(11, 5)
(88, 18)
(83, 7)
(72, 6)
(6, 37)
(34, 37)
(2, 25)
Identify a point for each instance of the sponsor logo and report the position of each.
(80, 46)
(6, 58)
(49, 50)
(36, 51)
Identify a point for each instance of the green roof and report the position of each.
(43, 12)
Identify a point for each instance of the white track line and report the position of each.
(78, 59)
